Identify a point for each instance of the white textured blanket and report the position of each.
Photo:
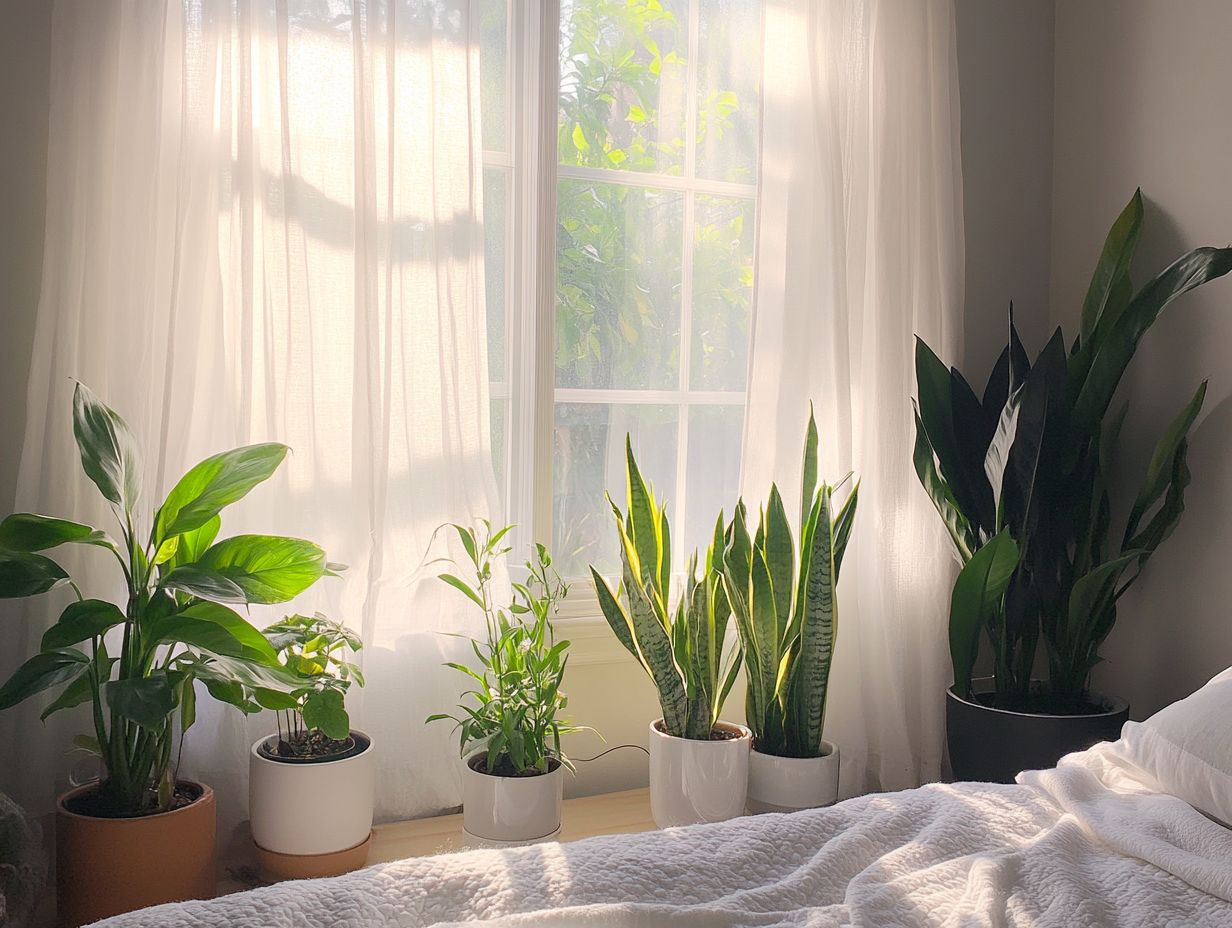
(1086, 844)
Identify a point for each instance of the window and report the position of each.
(644, 328)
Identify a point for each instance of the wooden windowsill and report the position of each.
(606, 814)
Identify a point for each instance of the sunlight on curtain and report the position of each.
(265, 225)
(860, 247)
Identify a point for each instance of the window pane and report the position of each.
(712, 477)
(618, 273)
(493, 102)
(722, 292)
(588, 458)
(495, 211)
(729, 69)
(623, 84)
(498, 411)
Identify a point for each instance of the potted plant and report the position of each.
(786, 613)
(140, 835)
(1020, 478)
(314, 753)
(698, 764)
(510, 724)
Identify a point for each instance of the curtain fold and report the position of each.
(860, 247)
(264, 224)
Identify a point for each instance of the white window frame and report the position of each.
(529, 389)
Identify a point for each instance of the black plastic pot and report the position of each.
(995, 745)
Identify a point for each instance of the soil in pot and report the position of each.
(107, 866)
(479, 763)
(313, 748)
(93, 804)
(721, 732)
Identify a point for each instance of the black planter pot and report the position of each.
(994, 745)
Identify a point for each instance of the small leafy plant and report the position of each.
(315, 650)
(514, 708)
(683, 650)
(1020, 477)
(786, 609)
(135, 663)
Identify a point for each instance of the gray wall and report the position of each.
(25, 78)
(1005, 65)
(1142, 99)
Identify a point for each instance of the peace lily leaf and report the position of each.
(82, 620)
(148, 701)
(214, 484)
(43, 671)
(108, 450)
(26, 531)
(267, 568)
(207, 584)
(28, 574)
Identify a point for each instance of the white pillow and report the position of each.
(1187, 748)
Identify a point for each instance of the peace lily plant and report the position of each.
(786, 607)
(135, 662)
(684, 650)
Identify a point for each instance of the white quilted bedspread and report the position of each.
(1086, 844)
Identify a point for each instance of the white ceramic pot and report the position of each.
(787, 784)
(697, 781)
(302, 810)
(510, 809)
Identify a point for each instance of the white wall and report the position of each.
(25, 78)
(1005, 67)
(1142, 99)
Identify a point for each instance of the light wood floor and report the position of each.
(606, 814)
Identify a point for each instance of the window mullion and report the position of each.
(686, 271)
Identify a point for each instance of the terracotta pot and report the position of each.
(698, 781)
(788, 784)
(510, 810)
(332, 839)
(109, 866)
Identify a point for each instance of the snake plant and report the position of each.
(1021, 480)
(786, 609)
(682, 649)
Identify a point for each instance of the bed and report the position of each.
(1092, 842)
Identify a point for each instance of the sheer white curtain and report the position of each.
(860, 247)
(264, 223)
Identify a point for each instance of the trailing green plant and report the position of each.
(1020, 478)
(135, 663)
(683, 649)
(513, 709)
(316, 651)
(786, 608)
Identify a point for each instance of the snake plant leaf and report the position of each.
(817, 633)
(1164, 521)
(80, 621)
(977, 596)
(844, 522)
(971, 440)
(27, 531)
(780, 558)
(212, 485)
(997, 389)
(1093, 592)
(1159, 471)
(108, 450)
(1113, 266)
(1116, 349)
(41, 672)
(808, 480)
(938, 489)
(644, 518)
(763, 622)
(616, 616)
(1020, 365)
(650, 633)
(28, 574)
(997, 458)
(1038, 430)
